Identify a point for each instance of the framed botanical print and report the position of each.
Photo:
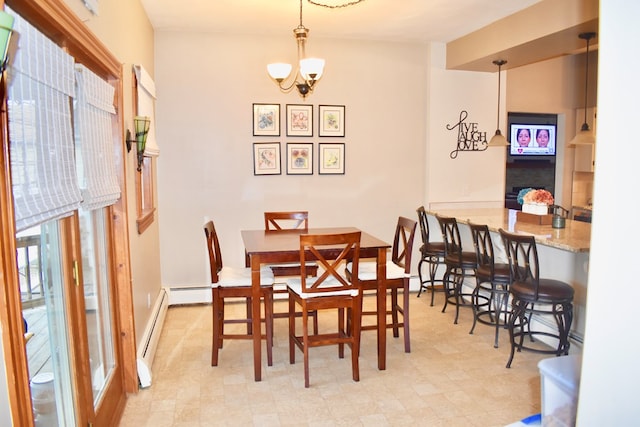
(299, 120)
(266, 119)
(331, 159)
(266, 158)
(299, 158)
(331, 120)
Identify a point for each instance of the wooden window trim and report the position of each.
(144, 196)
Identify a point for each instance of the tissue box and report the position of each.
(535, 208)
(559, 385)
(534, 219)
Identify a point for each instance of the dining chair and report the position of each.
(228, 282)
(329, 290)
(398, 276)
(532, 295)
(275, 222)
(491, 295)
(461, 264)
(432, 253)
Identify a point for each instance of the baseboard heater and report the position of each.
(151, 336)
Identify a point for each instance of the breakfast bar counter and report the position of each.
(575, 237)
(563, 252)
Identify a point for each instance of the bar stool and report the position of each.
(532, 295)
(432, 254)
(492, 279)
(460, 265)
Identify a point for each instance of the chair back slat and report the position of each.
(330, 251)
(484, 246)
(523, 258)
(403, 243)
(278, 221)
(451, 237)
(424, 224)
(213, 248)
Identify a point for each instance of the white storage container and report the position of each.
(560, 382)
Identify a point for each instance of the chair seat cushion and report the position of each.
(550, 290)
(367, 270)
(293, 264)
(501, 273)
(295, 284)
(469, 260)
(432, 249)
(230, 276)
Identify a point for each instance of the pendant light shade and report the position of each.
(585, 136)
(498, 140)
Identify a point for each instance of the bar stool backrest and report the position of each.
(523, 258)
(483, 246)
(451, 238)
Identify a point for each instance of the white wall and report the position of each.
(205, 115)
(472, 178)
(205, 119)
(610, 369)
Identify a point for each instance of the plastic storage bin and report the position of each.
(559, 383)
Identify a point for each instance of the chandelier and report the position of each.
(309, 70)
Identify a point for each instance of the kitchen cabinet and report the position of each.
(585, 154)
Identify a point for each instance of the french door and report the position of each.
(67, 305)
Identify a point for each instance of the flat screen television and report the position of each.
(529, 139)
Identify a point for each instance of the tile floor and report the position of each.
(450, 378)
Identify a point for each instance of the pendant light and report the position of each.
(498, 140)
(586, 135)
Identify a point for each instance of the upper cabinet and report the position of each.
(585, 154)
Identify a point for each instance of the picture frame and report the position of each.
(266, 158)
(266, 119)
(331, 159)
(299, 158)
(331, 120)
(299, 120)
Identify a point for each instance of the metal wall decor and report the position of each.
(469, 137)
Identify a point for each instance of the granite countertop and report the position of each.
(575, 237)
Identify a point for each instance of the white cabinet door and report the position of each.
(585, 154)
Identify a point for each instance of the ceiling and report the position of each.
(384, 20)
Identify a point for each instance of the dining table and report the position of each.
(269, 247)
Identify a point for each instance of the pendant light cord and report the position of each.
(587, 37)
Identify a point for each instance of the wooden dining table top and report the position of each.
(285, 244)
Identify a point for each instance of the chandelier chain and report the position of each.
(335, 6)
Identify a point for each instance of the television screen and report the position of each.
(532, 140)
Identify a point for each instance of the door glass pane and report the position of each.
(95, 263)
(42, 285)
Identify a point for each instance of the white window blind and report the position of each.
(146, 107)
(41, 83)
(95, 161)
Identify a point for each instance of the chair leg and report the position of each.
(447, 287)
(475, 300)
(394, 312)
(292, 329)
(420, 277)
(305, 344)
(249, 324)
(517, 314)
(405, 315)
(433, 268)
(341, 331)
(268, 322)
(355, 335)
(216, 341)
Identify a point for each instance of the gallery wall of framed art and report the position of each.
(300, 155)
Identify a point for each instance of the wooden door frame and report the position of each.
(56, 20)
